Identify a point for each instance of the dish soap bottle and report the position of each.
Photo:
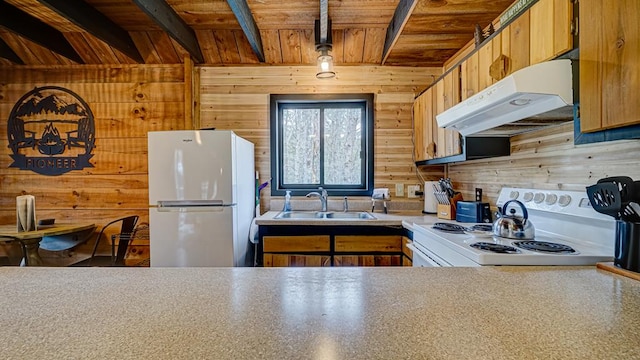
(287, 201)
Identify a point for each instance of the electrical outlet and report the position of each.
(411, 191)
(399, 190)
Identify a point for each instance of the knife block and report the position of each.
(448, 211)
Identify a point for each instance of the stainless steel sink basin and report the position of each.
(352, 215)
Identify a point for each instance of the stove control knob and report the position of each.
(528, 196)
(564, 200)
(514, 194)
(538, 198)
(551, 199)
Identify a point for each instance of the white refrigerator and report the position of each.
(201, 198)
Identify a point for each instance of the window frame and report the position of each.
(277, 102)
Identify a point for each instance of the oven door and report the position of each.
(424, 258)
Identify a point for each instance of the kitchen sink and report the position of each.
(352, 215)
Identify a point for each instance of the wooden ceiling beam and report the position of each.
(397, 23)
(164, 15)
(242, 12)
(7, 52)
(35, 30)
(96, 24)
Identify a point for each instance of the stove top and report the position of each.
(568, 232)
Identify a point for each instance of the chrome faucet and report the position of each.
(322, 195)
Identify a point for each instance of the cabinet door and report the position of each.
(278, 250)
(518, 42)
(469, 79)
(423, 126)
(367, 260)
(292, 260)
(485, 58)
(609, 64)
(440, 135)
(368, 245)
(550, 29)
(451, 83)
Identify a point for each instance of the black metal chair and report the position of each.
(127, 226)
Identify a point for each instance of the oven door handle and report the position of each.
(423, 256)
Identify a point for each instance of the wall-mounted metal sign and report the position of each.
(514, 10)
(51, 131)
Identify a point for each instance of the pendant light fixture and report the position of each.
(323, 43)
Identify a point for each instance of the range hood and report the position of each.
(538, 89)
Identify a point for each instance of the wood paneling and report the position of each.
(127, 101)
(238, 99)
(434, 31)
(547, 159)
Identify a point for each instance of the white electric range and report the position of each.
(568, 231)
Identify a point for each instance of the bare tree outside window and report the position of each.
(322, 141)
(343, 139)
(301, 146)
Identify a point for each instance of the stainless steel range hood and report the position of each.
(544, 88)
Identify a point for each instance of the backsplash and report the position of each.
(547, 159)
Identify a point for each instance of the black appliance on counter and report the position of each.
(473, 212)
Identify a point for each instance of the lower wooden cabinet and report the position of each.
(333, 250)
(294, 250)
(367, 250)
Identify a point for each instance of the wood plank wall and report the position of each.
(127, 101)
(237, 98)
(547, 159)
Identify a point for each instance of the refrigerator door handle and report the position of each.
(191, 203)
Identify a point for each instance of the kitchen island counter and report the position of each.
(319, 313)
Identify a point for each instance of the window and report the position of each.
(322, 141)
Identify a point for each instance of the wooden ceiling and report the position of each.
(234, 32)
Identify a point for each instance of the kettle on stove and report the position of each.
(513, 226)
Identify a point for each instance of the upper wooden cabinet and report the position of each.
(469, 85)
(431, 141)
(539, 34)
(450, 97)
(550, 29)
(609, 64)
(423, 126)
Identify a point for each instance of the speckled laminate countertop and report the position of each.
(319, 313)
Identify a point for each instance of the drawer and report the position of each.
(368, 243)
(302, 243)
